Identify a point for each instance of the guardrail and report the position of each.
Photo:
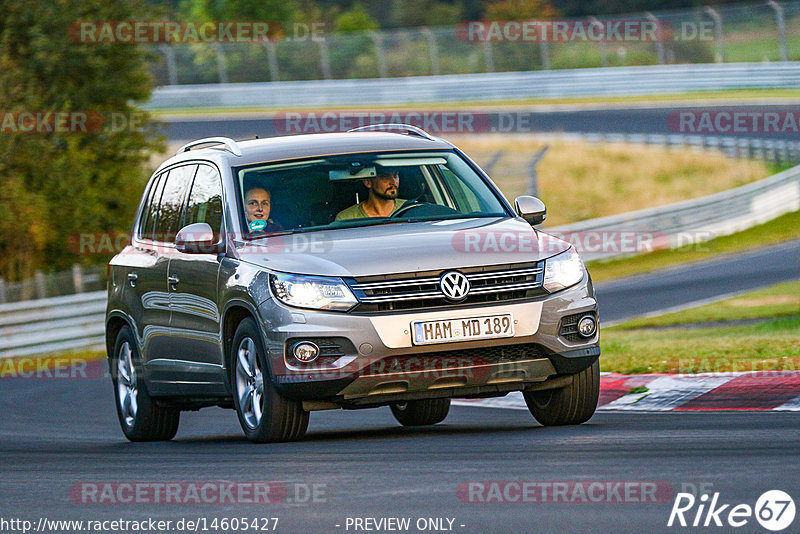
(76, 321)
(53, 324)
(498, 86)
(79, 279)
(779, 151)
(700, 219)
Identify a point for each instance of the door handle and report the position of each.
(132, 278)
(173, 280)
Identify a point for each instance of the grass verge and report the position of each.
(611, 178)
(681, 343)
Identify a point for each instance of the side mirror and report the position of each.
(531, 209)
(197, 238)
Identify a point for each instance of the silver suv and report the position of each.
(354, 270)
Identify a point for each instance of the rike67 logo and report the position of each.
(774, 510)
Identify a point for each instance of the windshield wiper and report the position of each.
(259, 235)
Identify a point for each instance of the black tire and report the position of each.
(571, 405)
(421, 412)
(281, 419)
(148, 421)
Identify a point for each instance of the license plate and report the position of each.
(463, 329)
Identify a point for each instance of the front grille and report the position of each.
(413, 291)
(569, 328)
(465, 358)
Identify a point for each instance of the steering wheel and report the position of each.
(408, 206)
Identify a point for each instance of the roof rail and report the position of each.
(230, 145)
(396, 128)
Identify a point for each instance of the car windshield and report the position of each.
(362, 190)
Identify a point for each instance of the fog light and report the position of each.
(305, 351)
(587, 326)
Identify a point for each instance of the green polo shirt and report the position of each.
(357, 211)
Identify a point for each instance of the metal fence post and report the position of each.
(659, 44)
(3, 295)
(781, 28)
(272, 61)
(379, 57)
(719, 57)
(77, 278)
(324, 58)
(603, 45)
(41, 286)
(172, 68)
(544, 51)
(433, 50)
(533, 184)
(487, 52)
(222, 64)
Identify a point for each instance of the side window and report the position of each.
(205, 199)
(170, 210)
(465, 198)
(147, 222)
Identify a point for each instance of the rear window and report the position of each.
(169, 217)
(147, 222)
(205, 199)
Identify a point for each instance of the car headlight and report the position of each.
(312, 292)
(562, 270)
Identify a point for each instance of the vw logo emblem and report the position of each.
(454, 286)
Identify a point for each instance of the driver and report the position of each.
(382, 200)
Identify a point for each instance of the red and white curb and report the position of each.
(756, 391)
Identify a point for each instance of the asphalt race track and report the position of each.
(57, 434)
(682, 286)
(608, 119)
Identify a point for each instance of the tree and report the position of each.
(54, 185)
(282, 11)
(354, 19)
(520, 10)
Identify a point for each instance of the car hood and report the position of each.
(403, 247)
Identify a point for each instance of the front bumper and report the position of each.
(379, 364)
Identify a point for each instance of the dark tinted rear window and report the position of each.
(170, 211)
(147, 222)
(205, 199)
